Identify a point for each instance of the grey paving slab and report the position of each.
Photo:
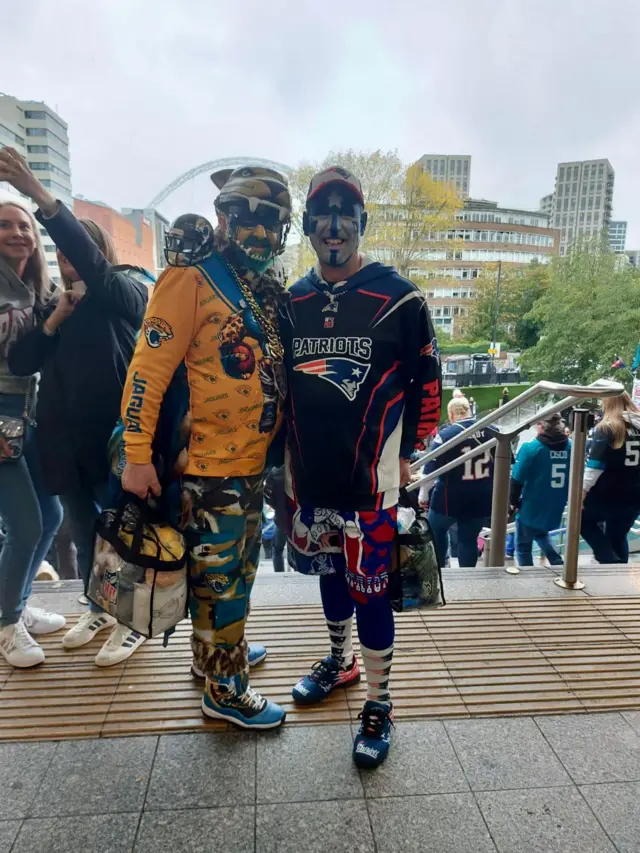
(633, 718)
(307, 763)
(96, 777)
(107, 833)
(505, 753)
(611, 584)
(204, 770)
(421, 761)
(542, 820)
(506, 587)
(8, 831)
(272, 589)
(617, 807)
(442, 823)
(339, 826)
(197, 831)
(22, 769)
(594, 747)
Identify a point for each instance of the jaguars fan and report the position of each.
(215, 309)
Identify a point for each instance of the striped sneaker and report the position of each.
(85, 629)
(121, 644)
(325, 676)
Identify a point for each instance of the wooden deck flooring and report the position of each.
(471, 659)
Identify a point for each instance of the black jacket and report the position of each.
(84, 366)
(364, 385)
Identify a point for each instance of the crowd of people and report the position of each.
(218, 376)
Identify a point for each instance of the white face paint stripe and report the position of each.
(413, 295)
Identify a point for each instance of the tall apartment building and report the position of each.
(132, 235)
(582, 200)
(617, 235)
(546, 205)
(40, 136)
(454, 169)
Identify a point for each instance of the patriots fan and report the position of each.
(364, 377)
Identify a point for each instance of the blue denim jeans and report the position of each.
(82, 508)
(30, 517)
(468, 532)
(525, 537)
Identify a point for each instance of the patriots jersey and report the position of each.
(364, 386)
(619, 482)
(465, 491)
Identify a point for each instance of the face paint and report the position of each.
(256, 234)
(334, 226)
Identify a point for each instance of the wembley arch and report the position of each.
(212, 166)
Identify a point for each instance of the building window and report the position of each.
(561, 173)
(35, 114)
(36, 131)
(49, 247)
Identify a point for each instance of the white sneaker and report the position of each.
(85, 629)
(18, 646)
(39, 621)
(121, 644)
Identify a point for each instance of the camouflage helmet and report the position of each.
(253, 184)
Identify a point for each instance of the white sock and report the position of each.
(340, 635)
(377, 665)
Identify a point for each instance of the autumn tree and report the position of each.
(405, 207)
(589, 314)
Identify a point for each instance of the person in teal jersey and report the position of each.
(539, 489)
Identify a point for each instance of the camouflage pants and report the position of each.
(222, 521)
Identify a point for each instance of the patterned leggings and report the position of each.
(222, 520)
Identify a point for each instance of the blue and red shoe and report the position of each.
(373, 738)
(325, 676)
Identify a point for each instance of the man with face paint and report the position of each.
(364, 393)
(215, 308)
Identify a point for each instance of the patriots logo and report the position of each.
(345, 373)
(432, 349)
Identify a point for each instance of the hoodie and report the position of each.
(364, 386)
(613, 475)
(540, 481)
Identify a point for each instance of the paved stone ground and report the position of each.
(567, 784)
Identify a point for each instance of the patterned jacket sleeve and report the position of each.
(422, 364)
(167, 333)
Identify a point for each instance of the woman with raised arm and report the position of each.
(28, 513)
(82, 350)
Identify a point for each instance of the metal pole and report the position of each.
(500, 504)
(574, 504)
(496, 313)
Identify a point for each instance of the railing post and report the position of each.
(500, 503)
(574, 504)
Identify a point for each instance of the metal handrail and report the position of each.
(502, 466)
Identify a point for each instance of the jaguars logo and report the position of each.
(198, 437)
(222, 415)
(243, 390)
(212, 379)
(201, 465)
(215, 318)
(217, 581)
(231, 448)
(195, 344)
(253, 426)
(157, 331)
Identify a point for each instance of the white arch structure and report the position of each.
(212, 166)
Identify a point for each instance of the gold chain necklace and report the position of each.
(268, 329)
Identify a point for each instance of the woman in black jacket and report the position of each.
(82, 350)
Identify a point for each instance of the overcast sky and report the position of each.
(152, 88)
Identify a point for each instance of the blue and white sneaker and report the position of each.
(371, 744)
(232, 699)
(257, 653)
(325, 676)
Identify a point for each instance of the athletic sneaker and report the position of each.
(18, 647)
(39, 621)
(232, 699)
(371, 744)
(121, 644)
(324, 677)
(257, 654)
(85, 629)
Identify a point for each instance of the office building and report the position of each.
(582, 200)
(132, 235)
(634, 257)
(485, 235)
(546, 205)
(617, 236)
(159, 226)
(40, 136)
(455, 169)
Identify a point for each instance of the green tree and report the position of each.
(519, 291)
(589, 315)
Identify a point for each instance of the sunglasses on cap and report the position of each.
(252, 212)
